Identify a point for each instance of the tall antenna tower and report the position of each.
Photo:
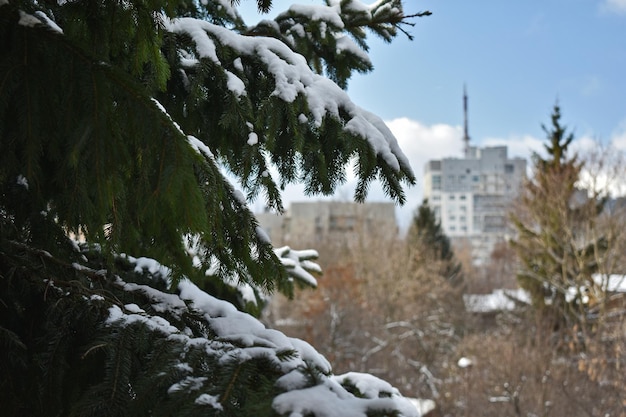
(466, 138)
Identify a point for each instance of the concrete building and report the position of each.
(471, 196)
(318, 220)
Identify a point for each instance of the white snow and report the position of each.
(464, 362)
(210, 400)
(161, 302)
(162, 109)
(331, 399)
(253, 139)
(240, 197)
(148, 264)
(424, 406)
(369, 385)
(155, 323)
(611, 283)
(28, 20)
(498, 300)
(262, 235)
(188, 384)
(21, 180)
(82, 268)
(133, 308)
(318, 13)
(298, 263)
(235, 84)
(245, 338)
(49, 22)
(200, 147)
(346, 44)
(293, 77)
(227, 6)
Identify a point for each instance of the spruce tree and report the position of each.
(428, 238)
(556, 243)
(125, 252)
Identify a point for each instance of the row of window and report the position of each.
(437, 197)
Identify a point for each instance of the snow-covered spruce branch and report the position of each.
(292, 78)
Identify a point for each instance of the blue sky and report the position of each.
(516, 59)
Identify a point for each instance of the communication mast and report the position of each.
(466, 138)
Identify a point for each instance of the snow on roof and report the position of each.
(498, 300)
(506, 300)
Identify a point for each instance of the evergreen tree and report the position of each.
(427, 237)
(556, 244)
(117, 121)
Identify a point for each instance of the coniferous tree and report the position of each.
(426, 235)
(117, 120)
(556, 244)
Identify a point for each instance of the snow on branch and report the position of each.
(293, 78)
(245, 338)
(299, 264)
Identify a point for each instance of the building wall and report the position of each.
(319, 220)
(471, 196)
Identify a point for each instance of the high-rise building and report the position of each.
(471, 196)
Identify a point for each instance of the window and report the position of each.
(462, 197)
(436, 182)
(451, 197)
(342, 223)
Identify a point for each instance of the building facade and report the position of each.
(319, 220)
(471, 196)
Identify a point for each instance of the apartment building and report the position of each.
(471, 196)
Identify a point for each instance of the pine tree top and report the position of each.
(558, 141)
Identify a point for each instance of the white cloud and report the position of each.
(420, 144)
(518, 146)
(618, 138)
(614, 6)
